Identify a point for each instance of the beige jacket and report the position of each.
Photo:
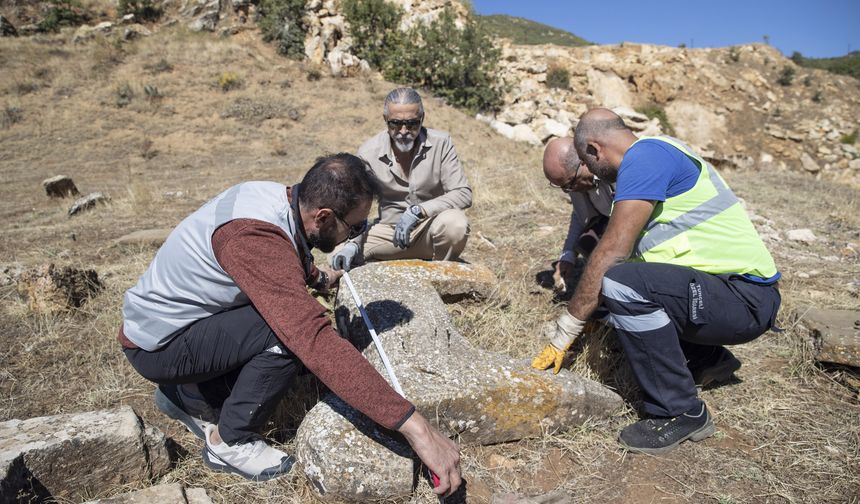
(436, 181)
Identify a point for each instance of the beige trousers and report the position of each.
(440, 238)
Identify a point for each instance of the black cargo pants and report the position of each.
(665, 315)
(237, 362)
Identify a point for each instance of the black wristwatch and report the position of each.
(416, 211)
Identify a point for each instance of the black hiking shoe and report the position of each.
(660, 435)
(716, 370)
(192, 412)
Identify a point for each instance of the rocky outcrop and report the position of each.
(478, 396)
(70, 456)
(54, 289)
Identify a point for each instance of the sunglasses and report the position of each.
(396, 124)
(568, 186)
(355, 230)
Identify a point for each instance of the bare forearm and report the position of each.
(587, 295)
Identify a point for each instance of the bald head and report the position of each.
(601, 139)
(559, 159)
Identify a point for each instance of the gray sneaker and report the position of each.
(254, 460)
(174, 402)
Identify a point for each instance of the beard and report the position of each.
(325, 242)
(603, 170)
(404, 144)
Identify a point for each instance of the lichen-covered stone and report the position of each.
(478, 396)
(51, 289)
(70, 456)
(452, 280)
(835, 335)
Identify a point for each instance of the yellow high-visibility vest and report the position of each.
(704, 228)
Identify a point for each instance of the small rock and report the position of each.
(834, 335)
(523, 133)
(765, 158)
(87, 202)
(51, 289)
(169, 493)
(60, 186)
(504, 129)
(801, 235)
(854, 164)
(809, 164)
(154, 237)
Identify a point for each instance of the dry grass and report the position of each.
(788, 431)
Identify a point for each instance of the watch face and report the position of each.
(416, 210)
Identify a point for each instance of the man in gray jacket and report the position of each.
(423, 190)
(590, 197)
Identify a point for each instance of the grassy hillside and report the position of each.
(845, 65)
(524, 31)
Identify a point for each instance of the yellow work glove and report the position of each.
(561, 336)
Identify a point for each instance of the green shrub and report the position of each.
(734, 54)
(373, 24)
(558, 77)
(62, 13)
(456, 64)
(849, 139)
(652, 110)
(228, 81)
(817, 98)
(281, 22)
(124, 95)
(844, 65)
(786, 77)
(143, 10)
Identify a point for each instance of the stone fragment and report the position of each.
(7, 29)
(523, 133)
(801, 235)
(549, 128)
(854, 164)
(87, 202)
(608, 89)
(452, 280)
(504, 129)
(809, 164)
(169, 493)
(60, 186)
(70, 456)
(835, 335)
(154, 237)
(53, 289)
(479, 396)
(206, 22)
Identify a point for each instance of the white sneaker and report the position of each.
(254, 460)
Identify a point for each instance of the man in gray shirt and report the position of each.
(591, 199)
(423, 190)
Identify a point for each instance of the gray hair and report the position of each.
(403, 96)
(590, 128)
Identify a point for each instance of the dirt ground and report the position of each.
(788, 430)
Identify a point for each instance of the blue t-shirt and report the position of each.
(654, 171)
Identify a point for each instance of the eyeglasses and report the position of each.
(568, 186)
(396, 124)
(355, 230)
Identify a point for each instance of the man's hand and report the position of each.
(437, 452)
(561, 336)
(347, 257)
(563, 270)
(401, 232)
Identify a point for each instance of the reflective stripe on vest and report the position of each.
(659, 232)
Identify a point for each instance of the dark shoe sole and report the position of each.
(213, 462)
(703, 432)
(169, 408)
(720, 373)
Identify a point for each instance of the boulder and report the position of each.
(809, 164)
(801, 235)
(206, 22)
(548, 128)
(87, 202)
(854, 164)
(60, 186)
(453, 281)
(523, 133)
(835, 335)
(608, 89)
(73, 455)
(168, 493)
(479, 396)
(153, 237)
(53, 289)
(504, 129)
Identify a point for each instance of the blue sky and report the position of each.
(820, 28)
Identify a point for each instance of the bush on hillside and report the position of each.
(62, 13)
(849, 139)
(373, 24)
(456, 64)
(786, 77)
(558, 77)
(281, 22)
(143, 10)
(652, 110)
(843, 65)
